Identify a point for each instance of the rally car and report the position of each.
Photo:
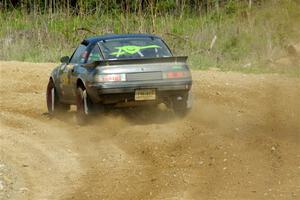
(120, 70)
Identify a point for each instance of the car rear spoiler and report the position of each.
(174, 59)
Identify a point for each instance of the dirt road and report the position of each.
(241, 141)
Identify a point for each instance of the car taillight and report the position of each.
(110, 77)
(176, 74)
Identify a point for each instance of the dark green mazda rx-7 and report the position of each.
(120, 70)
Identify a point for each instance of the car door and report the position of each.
(68, 90)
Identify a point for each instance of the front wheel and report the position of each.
(53, 103)
(84, 106)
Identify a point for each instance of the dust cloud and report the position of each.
(240, 141)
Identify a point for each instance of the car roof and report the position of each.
(116, 36)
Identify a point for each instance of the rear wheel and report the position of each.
(84, 106)
(182, 104)
(53, 103)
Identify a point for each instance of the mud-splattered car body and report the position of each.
(128, 69)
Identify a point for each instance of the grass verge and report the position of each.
(233, 38)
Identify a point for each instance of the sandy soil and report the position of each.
(241, 141)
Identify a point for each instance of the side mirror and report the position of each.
(65, 59)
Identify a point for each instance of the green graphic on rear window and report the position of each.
(132, 49)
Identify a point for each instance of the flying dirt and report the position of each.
(240, 141)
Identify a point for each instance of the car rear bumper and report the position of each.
(123, 92)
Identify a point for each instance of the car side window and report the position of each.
(79, 55)
(94, 55)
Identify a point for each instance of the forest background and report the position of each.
(236, 35)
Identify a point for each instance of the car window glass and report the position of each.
(79, 55)
(94, 55)
(133, 48)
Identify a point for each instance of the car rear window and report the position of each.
(134, 48)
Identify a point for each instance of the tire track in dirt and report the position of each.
(241, 141)
(36, 156)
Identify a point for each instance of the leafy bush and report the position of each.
(243, 35)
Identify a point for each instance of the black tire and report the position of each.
(181, 105)
(84, 106)
(53, 104)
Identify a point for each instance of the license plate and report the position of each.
(145, 94)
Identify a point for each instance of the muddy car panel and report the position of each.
(139, 73)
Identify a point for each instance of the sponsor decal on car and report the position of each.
(132, 49)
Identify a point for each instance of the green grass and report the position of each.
(246, 39)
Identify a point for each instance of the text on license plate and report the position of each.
(145, 94)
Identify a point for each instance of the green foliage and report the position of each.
(245, 37)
